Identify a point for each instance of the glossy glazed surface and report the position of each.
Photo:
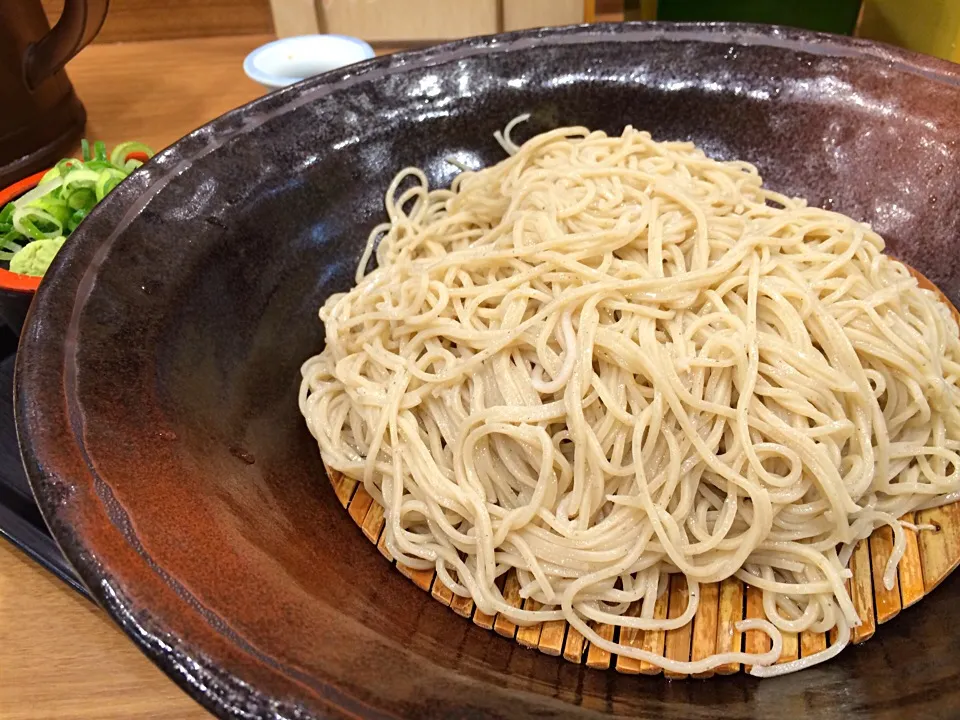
(162, 434)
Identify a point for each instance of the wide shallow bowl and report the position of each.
(158, 374)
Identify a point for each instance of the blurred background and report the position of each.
(929, 26)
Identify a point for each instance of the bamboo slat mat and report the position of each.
(930, 557)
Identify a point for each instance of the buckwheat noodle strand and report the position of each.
(608, 359)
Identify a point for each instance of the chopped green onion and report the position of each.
(82, 198)
(98, 165)
(33, 227)
(107, 181)
(9, 240)
(9, 246)
(52, 173)
(32, 222)
(122, 151)
(38, 192)
(75, 219)
(67, 164)
(78, 178)
(54, 206)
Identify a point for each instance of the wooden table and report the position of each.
(61, 658)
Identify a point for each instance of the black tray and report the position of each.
(20, 519)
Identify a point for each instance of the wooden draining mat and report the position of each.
(929, 558)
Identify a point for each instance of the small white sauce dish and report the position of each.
(289, 60)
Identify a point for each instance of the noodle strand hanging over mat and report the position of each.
(608, 359)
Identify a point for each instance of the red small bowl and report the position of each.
(10, 280)
(16, 290)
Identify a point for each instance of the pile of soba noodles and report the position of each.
(608, 359)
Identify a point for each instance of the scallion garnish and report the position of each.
(33, 227)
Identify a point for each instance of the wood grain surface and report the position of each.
(159, 91)
(139, 20)
(61, 658)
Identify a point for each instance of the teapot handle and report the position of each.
(79, 23)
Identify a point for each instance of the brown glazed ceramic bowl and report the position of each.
(158, 373)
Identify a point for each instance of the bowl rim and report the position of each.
(51, 443)
(15, 282)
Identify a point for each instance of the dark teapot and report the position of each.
(41, 117)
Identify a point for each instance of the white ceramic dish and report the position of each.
(289, 60)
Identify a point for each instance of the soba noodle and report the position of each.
(608, 359)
